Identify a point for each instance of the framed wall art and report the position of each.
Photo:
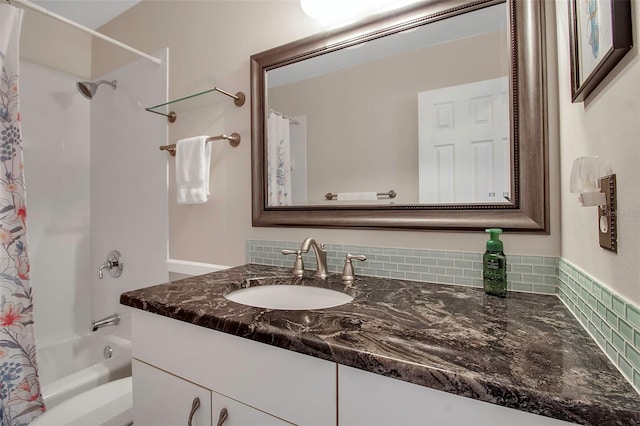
(600, 35)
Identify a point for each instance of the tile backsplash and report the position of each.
(532, 274)
(612, 322)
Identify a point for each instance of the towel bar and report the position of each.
(234, 140)
(391, 194)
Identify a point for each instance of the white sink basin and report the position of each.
(289, 297)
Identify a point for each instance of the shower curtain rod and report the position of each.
(30, 5)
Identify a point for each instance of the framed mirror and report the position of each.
(431, 117)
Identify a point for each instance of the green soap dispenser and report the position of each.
(494, 265)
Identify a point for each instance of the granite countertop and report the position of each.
(525, 352)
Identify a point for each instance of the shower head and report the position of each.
(88, 88)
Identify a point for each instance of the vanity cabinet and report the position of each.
(373, 400)
(162, 399)
(267, 385)
(263, 385)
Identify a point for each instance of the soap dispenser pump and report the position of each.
(494, 265)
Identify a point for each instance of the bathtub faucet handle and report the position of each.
(114, 265)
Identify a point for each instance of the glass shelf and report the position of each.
(238, 100)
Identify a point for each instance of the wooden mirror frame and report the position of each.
(530, 210)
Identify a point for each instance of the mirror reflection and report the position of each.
(417, 117)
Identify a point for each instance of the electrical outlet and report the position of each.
(607, 216)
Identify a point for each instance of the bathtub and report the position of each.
(78, 364)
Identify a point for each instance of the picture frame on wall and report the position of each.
(599, 35)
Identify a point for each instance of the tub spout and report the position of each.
(110, 320)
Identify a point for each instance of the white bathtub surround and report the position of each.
(63, 234)
(20, 398)
(128, 182)
(55, 121)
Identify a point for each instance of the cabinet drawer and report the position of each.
(291, 386)
(162, 399)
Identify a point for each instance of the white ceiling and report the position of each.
(90, 13)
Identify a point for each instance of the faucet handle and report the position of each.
(347, 273)
(298, 266)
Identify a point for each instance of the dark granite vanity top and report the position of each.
(526, 351)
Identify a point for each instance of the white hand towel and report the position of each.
(193, 160)
(357, 196)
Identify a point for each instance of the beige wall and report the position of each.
(606, 125)
(51, 43)
(210, 43)
(363, 120)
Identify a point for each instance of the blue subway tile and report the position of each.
(632, 355)
(625, 329)
(532, 279)
(633, 316)
(412, 260)
(472, 273)
(445, 262)
(465, 264)
(444, 279)
(618, 305)
(463, 281)
(454, 272)
(611, 351)
(437, 270)
(456, 255)
(626, 368)
(544, 289)
(430, 278)
(522, 287)
(514, 259)
(473, 257)
(397, 275)
(544, 270)
(617, 341)
(612, 319)
(412, 276)
(533, 260)
(526, 269)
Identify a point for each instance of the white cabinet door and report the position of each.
(286, 384)
(237, 414)
(373, 400)
(162, 399)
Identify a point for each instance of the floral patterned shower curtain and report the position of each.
(20, 398)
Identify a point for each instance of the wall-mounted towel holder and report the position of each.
(238, 100)
(234, 140)
(391, 194)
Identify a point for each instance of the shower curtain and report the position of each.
(279, 161)
(20, 398)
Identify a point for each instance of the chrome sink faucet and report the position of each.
(321, 256)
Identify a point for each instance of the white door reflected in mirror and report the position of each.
(464, 148)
